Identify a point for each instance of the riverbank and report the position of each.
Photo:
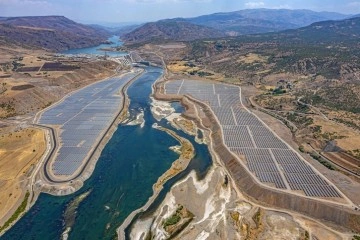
(161, 110)
(39, 183)
(15, 175)
(203, 116)
(44, 184)
(186, 151)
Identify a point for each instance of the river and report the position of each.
(115, 42)
(131, 162)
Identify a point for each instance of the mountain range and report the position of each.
(58, 33)
(250, 21)
(170, 30)
(54, 33)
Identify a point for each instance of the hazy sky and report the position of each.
(149, 10)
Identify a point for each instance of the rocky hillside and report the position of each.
(329, 48)
(251, 21)
(49, 32)
(328, 31)
(175, 30)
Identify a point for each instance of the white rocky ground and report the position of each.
(139, 120)
(220, 212)
(161, 109)
(210, 200)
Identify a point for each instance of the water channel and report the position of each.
(132, 161)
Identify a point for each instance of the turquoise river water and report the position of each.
(129, 165)
(115, 42)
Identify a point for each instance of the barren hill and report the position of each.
(170, 30)
(49, 32)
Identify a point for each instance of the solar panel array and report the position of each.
(269, 158)
(83, 117)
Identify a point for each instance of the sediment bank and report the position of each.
(186, 154)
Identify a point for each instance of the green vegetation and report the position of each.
(345, 94)
(331, 136)
(301, 149)
(302, 108)
(307, 235)
(355, 153)
(356, 237)
(279, 91)
(172, 220)
(328, 136)
(322, 161)
(257, 218)
(48, 104)
(16, 65)
(347, 123)
(200, 73)
(189, 64)
(8, 107)
(17, 213)
(299, 120)
(3, 87)
(316, 129)
(204, 74)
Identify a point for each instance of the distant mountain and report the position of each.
(116, 30)
(252, 21)
(328, 48)
(323, 34)
(175, 30)
(126, 29)
(49, 32)
(341, 31)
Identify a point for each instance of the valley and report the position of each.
(239, 125)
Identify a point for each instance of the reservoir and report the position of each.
(115, 42)
(132, 161)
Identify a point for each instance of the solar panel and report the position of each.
(83, 116)
(266, 155)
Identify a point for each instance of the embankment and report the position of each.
(332, 214)
(46, 184)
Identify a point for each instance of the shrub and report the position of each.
(17, 213)
(174, 219)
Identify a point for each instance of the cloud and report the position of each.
(254, 4)
(285, 6)
(353, 4)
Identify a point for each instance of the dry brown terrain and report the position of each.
(19, 152)
(252, 58)
(318, 127)
(33, 80)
